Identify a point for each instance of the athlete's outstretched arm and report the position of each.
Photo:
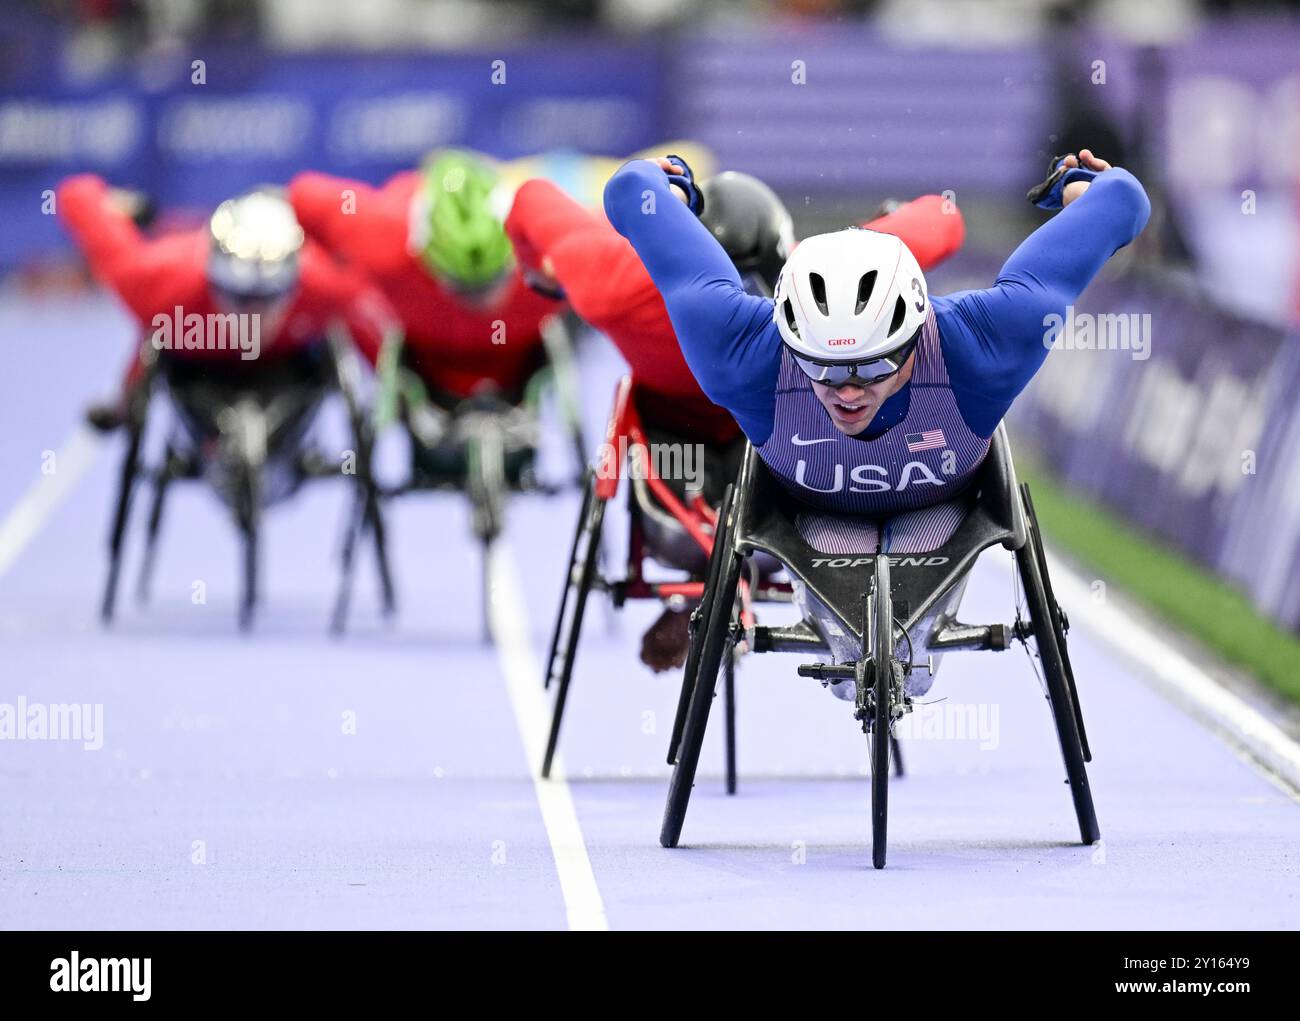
(105, 234)
(727, 335)
(994, 340)
(337, 211)
(931, 226)
(542, 214)
(147, 274)
(599, 272)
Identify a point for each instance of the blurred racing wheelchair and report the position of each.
(485, 446)
(245, 432)
(880, 620)
(243, 427)
(667, 524)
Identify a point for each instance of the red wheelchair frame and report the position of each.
(625, 439)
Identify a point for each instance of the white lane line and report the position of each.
(1244, 728)
(523, 674)
(28, 515)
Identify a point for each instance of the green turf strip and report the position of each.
(1183, 593)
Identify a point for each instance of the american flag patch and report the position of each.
(931, 439)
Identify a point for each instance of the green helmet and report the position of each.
(456, 230)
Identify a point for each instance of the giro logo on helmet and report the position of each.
(841, 341)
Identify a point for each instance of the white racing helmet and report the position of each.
(254, 244)
(850, 306)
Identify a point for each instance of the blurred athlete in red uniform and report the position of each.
(568, 250)
(433, 242)
(251, 259)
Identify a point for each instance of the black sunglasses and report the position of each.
(236, 299)
(838, 374)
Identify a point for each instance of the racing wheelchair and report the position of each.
(666, 524)
(245, 433)
(484, 446)
(880, 620)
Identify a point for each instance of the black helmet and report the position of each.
(750, 222)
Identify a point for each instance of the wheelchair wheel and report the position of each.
(881, 667)
(729, 705)
(588, 494)
(699, 619)
(485, 589)
(343, 363)
(486, 485)
(248, 513)
(1065, 711)
(138, 400)
(1059, 622)
(347, 558)
(161, 483)
(127, 476)
(375, 515)
(583, 560)
(713, 642)
(249, 603)
(175, 465)
(365, 513)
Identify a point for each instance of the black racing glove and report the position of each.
(146, 212)
(1049, 193)
(138, 205)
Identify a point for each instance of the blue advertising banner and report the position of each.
(840, 109)
(1183, 418)
(199, 127)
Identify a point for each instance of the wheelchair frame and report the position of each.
(876, 605)
(484, 478)
(244, 462)
(624, 432)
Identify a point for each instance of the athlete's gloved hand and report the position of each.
(680, 174)
(665, 645)
(136, 204)
(1061, 170)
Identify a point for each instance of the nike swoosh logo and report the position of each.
(808, 443)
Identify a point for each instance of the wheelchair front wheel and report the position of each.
(127, 478)
(1065, 712)
(248, 514)
(881, 667)
(591, 522)
(713, 642)
(699, 622)
(1059, 622)
(557, 634)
